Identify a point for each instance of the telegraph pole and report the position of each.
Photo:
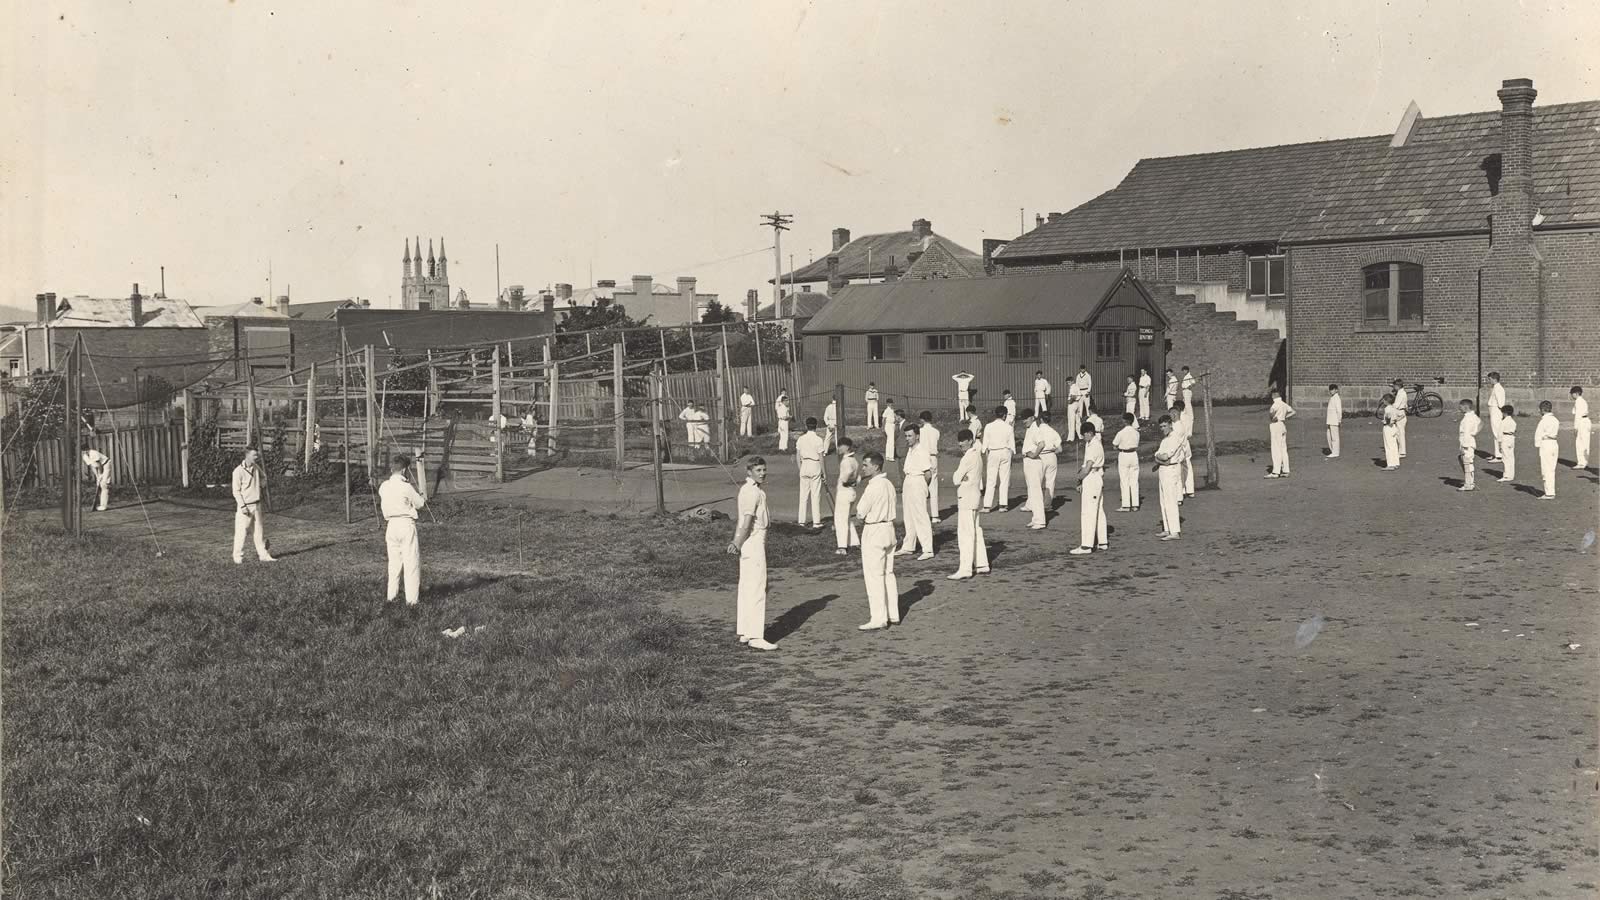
(779, 222)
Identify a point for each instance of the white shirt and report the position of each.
(1470, 426)
(753, 503)
(917, 464)
(1547, 429)
(1041, 387)
(1335, 410)
(890, 417)
(94, 459)
(929, 437)
(975, 425)
(1390, 415)
(1186, 423)
(1094, 456)
(746, 401)
(1127, 440)
(399, 499)
(872, 395)
(1497, 396)
(246, 485)
(1172, 449)
(809, 448)
(1280, 411)
(1144, 381)
(968, 478)
(849, 472)
(1031, 444)
(1401, 400)
(1172, 385)
(877, 503)
(830, 415)
(1508, 429)
(1099, 424)
(1085, 383)
(999, 435)
(1131, 392)
(1580, 408)
(1050, 438)
(782, 408)
(1010, 403)
(1188, 381)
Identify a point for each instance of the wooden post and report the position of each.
(344, 402)
(662, 334)
(309, 436)
(727, 367)
(1213, 474)
(430, 404)
(499, 433)
(510, 359)
(694, 352)
(657, 439)
(761, 371)
(550, 404)
(369, 368)
(588, 342)
(616, 399)
(555, 403)
(188, 429)
(720, 407)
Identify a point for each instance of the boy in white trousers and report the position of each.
(1033, 472)
(1049, 454)
(1041, 392)
(1334, 418)
(830, 424)
(399, 500)
(876, 511)
(1091, 482)
(1402, 402)
(872, 405)
(1010, 403)
(747, 413)
(1545, 436)
(1390, 419)
(1171, 389)
(1185, 430)
(916, 468)
(1467, 441)
(1126, 443)
(808, 451)
(1169, 478)
(246, 484)
(1580, 429)
(891, 427)
(1144, 394)
(928, 436)
(99, 466)
(1496, 402)
(999, 442)
(1507, 441)
(1278, 433)
(750, 545)
(968, 479)
(780, 409)
(1130, 397)
(844, 530)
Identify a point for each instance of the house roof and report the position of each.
(10, 343)
(321, 309)
(806, 304)
(1355, 187)
(939, 261)
(1047, 300)
(869, 255)
(249, 309)
(117, 312)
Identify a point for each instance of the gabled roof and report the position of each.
(1355, 187)
(321, 309)
(117, 312)
(1061, 299)
(870, 255)
(939, 261)
(249, 309)
(806, 304)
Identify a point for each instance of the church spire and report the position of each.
(407, 258)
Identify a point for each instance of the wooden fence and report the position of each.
(149, 455)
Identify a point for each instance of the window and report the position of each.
(1108, 345)
(1391, 294)
(883, 346)
(1022, 345)
(835, 347)
(968, 342)
(1266, 276)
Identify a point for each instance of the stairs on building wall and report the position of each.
(1263, 313)
(1240, 354)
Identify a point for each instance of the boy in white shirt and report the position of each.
(1091, 482)
(999, 442)
(975, 425)
(928, 436)
(1074, 412)
(1391, 442)
(917, 468)
(1144, 394)
(872, 405)
(844, 530)
(99, 466)
(1126, 443)
(747, 413)
(1334, 418)
(1033, 473)
(1278, 433)
(1496, 402)
(1130, 397)
(1467, 440)
(1010, 403)
(750, 545)
(1187, 386)
(1171, 389)
(876, 511)
(1049, 454)
(1545, 436)
(968, 479)
(891, 427)
(1507, 438)
(780, 408)
(1041, 393)
(1184, 428)
(1580, 428)
(808, 451)
(1402, 402)
(830, 422)
(1169, 477)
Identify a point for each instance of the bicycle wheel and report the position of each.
(1430, 405)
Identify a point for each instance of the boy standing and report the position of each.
(1580, 428)
(1545, 436)
(1391, 442)
(808, 451)
(1033, 473)
(246, 484)
(747, 413)
(1172, 389)
(1402, 402)
(99, 466)
(1169, 478)
(1335, 417)
(1126, 443)
(1091, 481)
(1507, 439)
(1467, 440)
(1185, 431)
(1497, 402)
(1010, 403)
(830, 421)
(1144, 394)
(872, 405)
(891, 426)
(917, 468)
(844, 531)
(1187, 385)
(750, 545)
(780, 408)
(1130, 397)
(876, 511)
(1049, 451)
(1278, 431)
(999, 442)
(399, 501)
(1041, 392)
(928, 437)
(968, 479)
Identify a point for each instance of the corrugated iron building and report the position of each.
(910, 337)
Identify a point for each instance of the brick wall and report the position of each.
(1153, 267)
(1238, 355)
(114, 353)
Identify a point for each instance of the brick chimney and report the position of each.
(547, 302)
(841, 236)
(1054, 216)
(564, 291)
(44, 307)
(1514, 207)
(136, 306)
(283, 304)
(752, 299)
(642, 287)
(990, 247)
(1512, 336)
(835, 282)
(922, 228)
(604, 282)
(1038, 220)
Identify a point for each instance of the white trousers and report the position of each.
(1128, 479)
(919, 528)
(1169, 482)
(243, 518)
(1508, 454)
(1279, 433)
(1144, 404)
(1040, 403)
(745, 424)
(1171, 399)
(933, 493)
(1074, 420)
(750, 617)
(103, 483)
(1400, 434)
(974, 553)
(877, 567)
(872, 415)
(1494, 430)
(1469, 455)
(1548, 451)
(1048, 461)
(997, 480)
(1033, 477)
(783, 434)
(844, 530)
(888, 443)
(1091, 512)
(1131, 405)
(1333, 440)
(1391, 445)
(1188, 469)
(1580, 452)
(1188, 399)
(810, 490)
(405, 560)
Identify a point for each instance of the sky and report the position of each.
(223, 139)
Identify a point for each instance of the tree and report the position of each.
(716, 314)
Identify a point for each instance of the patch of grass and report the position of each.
(183, 727)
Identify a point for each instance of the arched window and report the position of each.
(1391, 294)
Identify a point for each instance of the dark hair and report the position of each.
(972, 409)
(1164, 420)
(1129, 418)
(1388, 398)
(1546, 406)
(1333, 387)
(248, 447)
(1469, 404)
(874, 457)
(1576, 389)
(911, 427)
(1088, 428)
(999, 412)
(754, 461)
(1274, 390)
(1005, 392)
(1179, 404)
(846, 442)
(811, 421)
(397, 463)
(925, 416)
(1044, 416)
(964, 434)
(1494, 375)
(1507, 410)
(1186, 368)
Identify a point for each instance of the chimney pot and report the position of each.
(922, 227)
(283, 304)
(1511, 226)
(606, 282)
(1037, 220)
(841, 236)
(548, 302)
(136, 306)
(44, 307)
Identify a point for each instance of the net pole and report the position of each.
(344, 402)
(1213, 474)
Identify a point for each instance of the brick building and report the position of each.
(1367, 253)
(126, 338)
(884, 257)
(425, 288)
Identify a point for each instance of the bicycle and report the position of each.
(1424, 404)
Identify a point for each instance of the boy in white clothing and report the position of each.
(844, 530)
(747, 413)
(1172, 389)
(780, 408)
(1184, 428)
(1091, 482)
(1041, 393)
(1334, 418)
(1033, 473)
(1144, 394)
(1402, 402)
(1010, 403)
(750, 545)
(1507, 438)
(876, 511)
(968, 479)
(928, 436)
(1187, 386)
(1391, 442)
(1496, 402)
(1049, 453)
(1467, 439)
(1169, 478)
(1278, 432)
(999, 442)
(1126, 443)
(918, 469)
(1545, 435)
(1580, 429)
(1130, 397)
(830, 422)
(891, 427)
(99, 466)
(808, 451)
(872, 405)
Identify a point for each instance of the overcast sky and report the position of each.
(648, 137)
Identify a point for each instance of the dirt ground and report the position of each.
(1142, 723)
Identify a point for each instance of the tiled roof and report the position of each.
(158, 312)
(806, 304)
(880, 250)
(1049, 300)
(939, 261)
(1355, 187)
